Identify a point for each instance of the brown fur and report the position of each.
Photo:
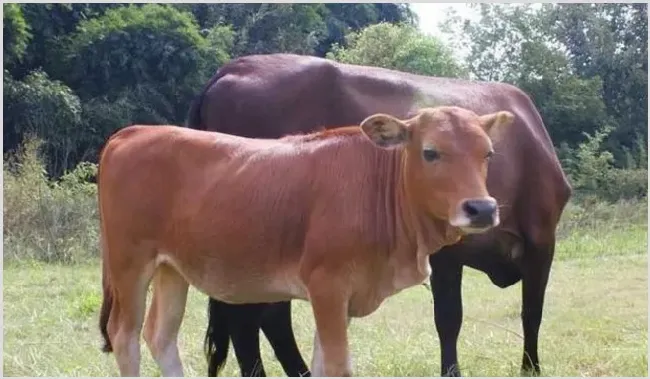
(329, 217)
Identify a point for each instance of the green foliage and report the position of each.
(344, 18)
(625, 184)
(50, 24)
(49, 109)
(593, 175)
(153, 45)
(610, 41)
(221, 40)
(275, 27)
(582, 64)
(45, 220)
(15, 34)
(512, 44)
(590, 164)
(570, 106)
(290, 28)
(399, 47)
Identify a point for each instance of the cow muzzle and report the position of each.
(476, 215)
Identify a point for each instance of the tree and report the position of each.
(49, 23)
(513, 44)
(610, 41)
(15, 34)
(289, 28)
(344, 18)
(46, 108)
(154, 50)
(330, 22)
(399, 47)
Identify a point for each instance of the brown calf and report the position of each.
(342, 218)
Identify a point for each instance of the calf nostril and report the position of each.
(470, 209)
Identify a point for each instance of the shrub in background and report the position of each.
(592, 173)
(45, 220)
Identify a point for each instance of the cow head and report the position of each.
(447, 150)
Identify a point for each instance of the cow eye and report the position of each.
(430, 155)
(489, 154)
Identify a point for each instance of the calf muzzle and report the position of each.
(481, 213)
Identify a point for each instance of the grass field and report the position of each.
(595, 320)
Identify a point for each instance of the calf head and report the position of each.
(446, 151)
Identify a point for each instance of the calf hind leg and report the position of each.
(165, 318)
(125, 320)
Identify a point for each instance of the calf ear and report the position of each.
(495, 124)
(385, 130)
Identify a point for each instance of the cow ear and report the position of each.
(385, 130)
(495, 124)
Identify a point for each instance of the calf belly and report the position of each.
(236, 283)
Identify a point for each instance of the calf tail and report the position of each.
(107, 290)
(217, 339)
(105, 312)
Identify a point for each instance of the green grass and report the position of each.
(595, 320)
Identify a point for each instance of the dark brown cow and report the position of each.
(272, 95)
(343, 218)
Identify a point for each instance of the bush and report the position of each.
(45, 220)
(592, 173)
(624, 184)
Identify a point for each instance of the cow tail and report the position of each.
(217, 339)
(193, 118)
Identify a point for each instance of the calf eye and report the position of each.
(430, 155)
(489, 154)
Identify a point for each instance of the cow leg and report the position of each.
(165, 318)
(276, 324)
(535, 278)
(244, 327)
(217, 336)
(329, 304)
(446, 280)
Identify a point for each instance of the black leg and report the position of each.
(217, 337)
(534, 283)
(244, 323)
(446, 280)
(276, 324)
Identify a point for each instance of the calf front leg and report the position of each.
(330, 306)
